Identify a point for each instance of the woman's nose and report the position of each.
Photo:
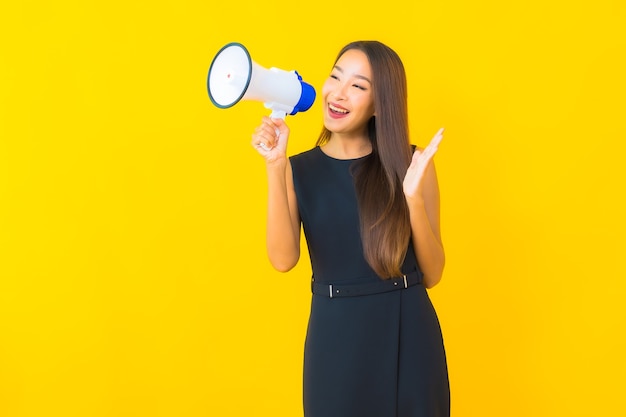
(339, 92)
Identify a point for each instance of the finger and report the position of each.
(260, 145)
(272, 133)
(277, 121)
(257, 142)
(268, 136)
(429, 152)
(436, 140)
(433, 146)
(269, 129)
(260, 141)
(264, 143)
(280, 126)
(274, 124)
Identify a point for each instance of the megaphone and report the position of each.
(233, 77)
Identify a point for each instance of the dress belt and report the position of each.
(368, 288)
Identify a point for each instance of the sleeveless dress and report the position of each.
(375, 355)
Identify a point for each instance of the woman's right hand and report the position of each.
(270, 139)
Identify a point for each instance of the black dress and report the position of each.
(375, 355)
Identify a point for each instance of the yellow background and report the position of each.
(133, 275)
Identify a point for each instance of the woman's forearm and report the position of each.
(283, 224)
(428, 247)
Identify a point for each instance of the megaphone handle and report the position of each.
(278, 114)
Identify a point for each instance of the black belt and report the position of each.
(368, 288)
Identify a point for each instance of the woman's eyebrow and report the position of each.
(362, 77)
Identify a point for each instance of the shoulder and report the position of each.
(306, 157)
(306, 154)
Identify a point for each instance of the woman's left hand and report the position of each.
(412, 184)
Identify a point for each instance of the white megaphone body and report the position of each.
(233, 77)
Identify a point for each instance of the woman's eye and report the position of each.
(334, 76)
(360, 87)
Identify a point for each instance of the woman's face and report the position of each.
(348, 94)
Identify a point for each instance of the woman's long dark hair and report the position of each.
(384, 215)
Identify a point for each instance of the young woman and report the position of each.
(368, 202)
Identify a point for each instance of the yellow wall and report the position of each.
(133, 277)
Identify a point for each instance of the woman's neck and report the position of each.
(341, 147)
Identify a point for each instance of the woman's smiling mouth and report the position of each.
(337, 110)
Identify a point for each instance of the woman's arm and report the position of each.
(283, 220)
(425, 228)
(421, 191)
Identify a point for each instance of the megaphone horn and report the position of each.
(233, 77)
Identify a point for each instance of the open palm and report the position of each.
(412, 184)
